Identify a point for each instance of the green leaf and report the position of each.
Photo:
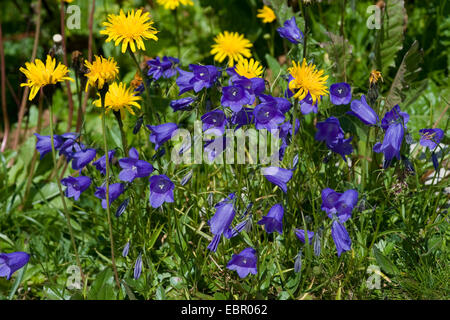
(274, 66)
(406, 74)
(384, 262)
(340, 52)
(17, 282)
(103, 286)
(154, 237)
(390, 37)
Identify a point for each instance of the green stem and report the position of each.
(305, 39)
(61, 193)
(177, 25)
(108, 210)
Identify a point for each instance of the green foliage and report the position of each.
(401, 220)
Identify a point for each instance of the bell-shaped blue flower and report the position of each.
(340, 236)
(75, 186)
(273, 221)
(244, 263)
(11, 262)
(221, 221)
(339, 204)
(290, 31)
(214, 122)
(267, 116)
(133, 167)
(392, 143)
(161, 190)
(340, 93)
(115, 190)
(431, 137)
(278, 176)
(100, 164)
(161, 133)
(235, 97)
(361, 110)
(44, 144)
(300, 233)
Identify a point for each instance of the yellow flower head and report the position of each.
(173, 4)
(375, 76)
(134, 27)
(232, 45)
(307, 79)
(100, 71)
(266, 14)
(119, 98)
(40, 75)
(248, 68)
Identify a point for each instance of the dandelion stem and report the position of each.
(108, 210)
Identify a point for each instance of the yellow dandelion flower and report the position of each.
(248, 68)
(375, 76)
(307, 79)
(231, 45)
(266, 14)
(119, 98)
(134, 27)
(40, 75)
(173, 4)
(101, 71)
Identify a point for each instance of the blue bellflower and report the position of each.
(100, 164)
(244, 263)
(44, 144)
(138, 267)
(126, 249)
(200, 77)
(75, 186)
(221, 221)
(331, 132)
(133, 167)
(340, 237)
(339, 204)
(392, 143)
(161, 133)
(290, 31)
(278, 176)
(181, 104)
(267, 116)
(115, 190)
(307, 106)
(161, 190)
(431, 137)
(395, 115)
(214, 122)
(82, 156)
(300, 233)
(243, 117)
(273, 221)
(235, 97)
(282, 104)
(165, 68)
(11, 262)
(340, 93)
(361, 110)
